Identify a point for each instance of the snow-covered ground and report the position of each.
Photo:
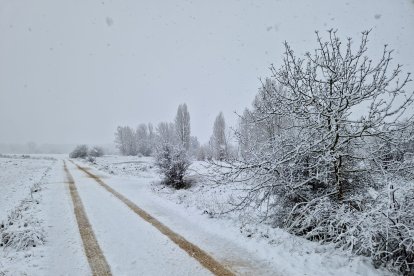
(17, 176)
(33, 188)
(22, 229)
(237, 239)
(132, 245)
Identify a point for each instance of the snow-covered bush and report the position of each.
(96, 151)
(80, 151)
(172, 148)
(326, 131)
(173, 162)
(381, 227)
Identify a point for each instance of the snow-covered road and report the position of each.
(156, 240)
(131, 245)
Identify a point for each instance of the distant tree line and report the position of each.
(144, 139)
(172, 144)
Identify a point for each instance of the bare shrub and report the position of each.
(80, 151)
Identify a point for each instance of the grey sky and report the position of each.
(71, 71)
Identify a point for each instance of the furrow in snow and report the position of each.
(194, 251)
(96, 259)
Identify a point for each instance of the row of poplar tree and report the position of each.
(144, 139)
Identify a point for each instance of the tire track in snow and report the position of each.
(193, 250)
(96, 258)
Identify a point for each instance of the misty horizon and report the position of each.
(71, 76)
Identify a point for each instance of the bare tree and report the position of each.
(308, 133)
(143, 140)
(324, 130)
(218, 140)
(182, 125)
(166, 133)
(125, 139)
(194, 146)
(327, 87)
(151, 137)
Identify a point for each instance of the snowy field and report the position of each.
(39, 235)
(22, 223)
(17, 177)
(193, 212)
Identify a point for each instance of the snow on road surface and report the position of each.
(193, 250)
(96, 259)
(130, 244)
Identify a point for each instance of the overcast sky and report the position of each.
(71, 71)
